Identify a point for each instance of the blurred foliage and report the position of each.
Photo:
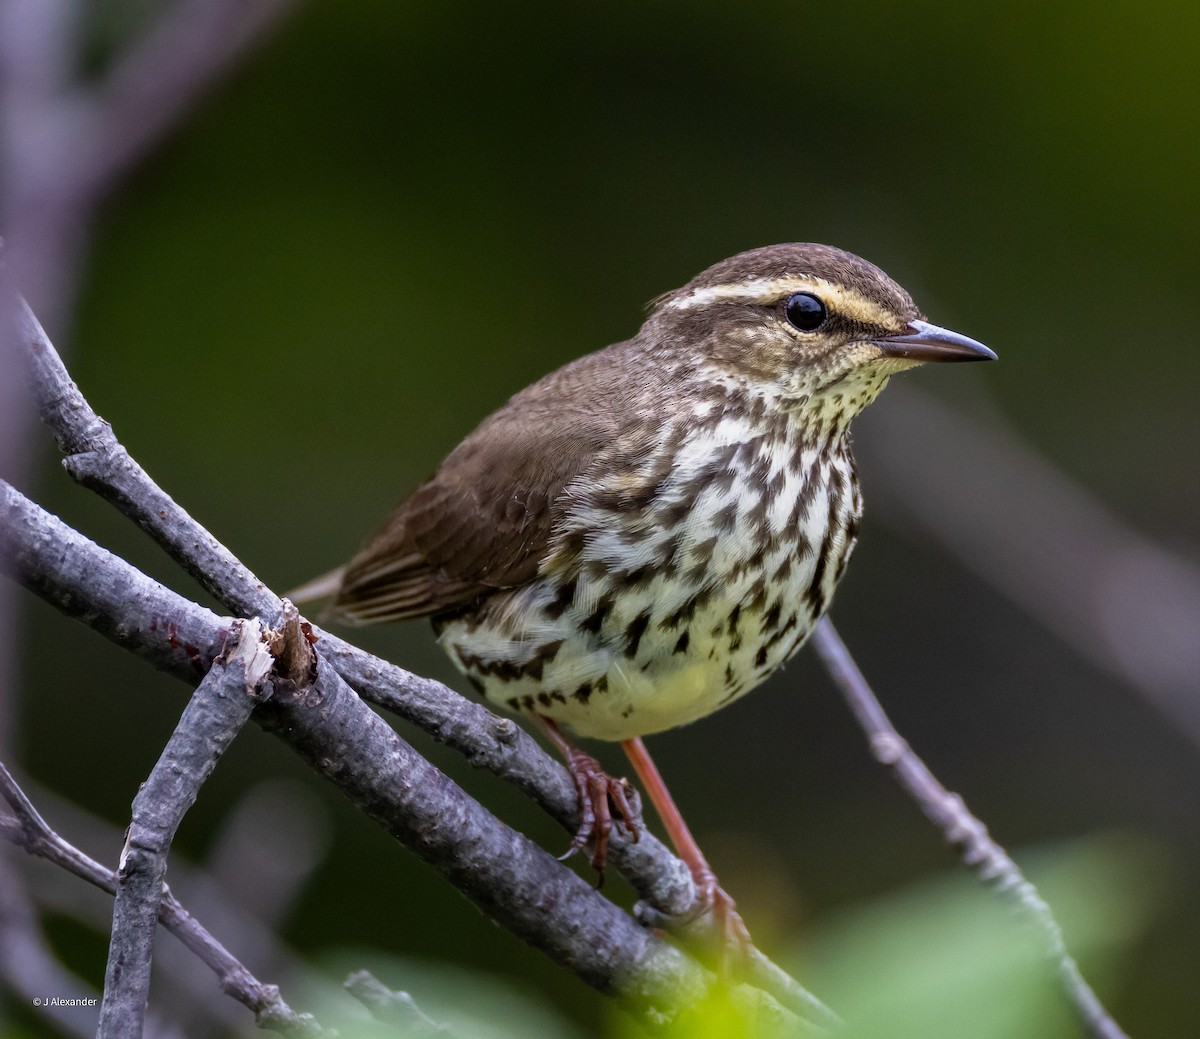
(398, 214)
(467, 1004)
(933, 959)
(936, 959)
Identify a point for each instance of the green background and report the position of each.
(396, 215)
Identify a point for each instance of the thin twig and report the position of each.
(162, 77)
(392, 1007)
(1125, 603)
(27, 829)
(220, 706)
(960, 828)
(218, 892)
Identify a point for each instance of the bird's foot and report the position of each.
(599, 796)
(712, 925)
(728, 931)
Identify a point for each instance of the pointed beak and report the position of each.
(926, 342)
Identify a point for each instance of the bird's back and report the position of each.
(484, 521)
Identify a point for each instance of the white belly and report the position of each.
(666, 624)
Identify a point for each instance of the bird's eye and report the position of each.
(805, 312)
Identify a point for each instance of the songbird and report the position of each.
(648, 533)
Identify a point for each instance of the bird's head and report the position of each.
(808, 326)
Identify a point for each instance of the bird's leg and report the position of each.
(732, 932)
(599, 794)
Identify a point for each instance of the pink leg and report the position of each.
(735, 938)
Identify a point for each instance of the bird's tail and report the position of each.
(324, 587)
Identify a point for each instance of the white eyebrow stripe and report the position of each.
(767, 290)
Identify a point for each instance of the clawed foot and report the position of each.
(599, 795)
(712, 924)
(732, 937)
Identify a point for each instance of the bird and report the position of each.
(648, 533)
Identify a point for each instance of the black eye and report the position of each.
(805, 312)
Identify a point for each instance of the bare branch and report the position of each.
(960, 828)
(1123, 602)
(96, 459)
(218, 709)
(392, 1007)
(27, 829)
(515, 882)
(164, 75)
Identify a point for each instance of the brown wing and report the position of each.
(483, 522)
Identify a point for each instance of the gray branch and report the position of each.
(27, 829)
(514, 881)
(948, 812)
(67, 144)
(1123, 602)
(220, 706)
(96, 459)
(163, 76)
(392, 1007)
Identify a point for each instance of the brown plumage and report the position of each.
(649, 532)
(483, 521)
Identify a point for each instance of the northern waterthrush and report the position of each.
(648, 533)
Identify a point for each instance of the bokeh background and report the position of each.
(396, 215)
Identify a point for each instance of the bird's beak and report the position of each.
(926, 342)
